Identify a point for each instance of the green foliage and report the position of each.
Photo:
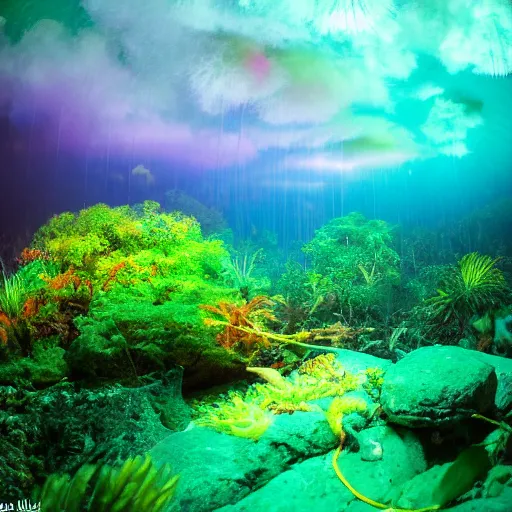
(343, 244)
(99, 231)
(426, 283)
(127, 334)
(79, 239)
(242, 271)
(33, 273)
(12, 295)
(480, 277)
(101, 350)
(15, 331)
(474, 286)
(136, 485)
(374, 381)
(353, 271)
(137, 276)
(15, 288)
(297, 298)
(46, 366)
(471, 465)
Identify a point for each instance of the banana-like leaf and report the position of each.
(470, 466)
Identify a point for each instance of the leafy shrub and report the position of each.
(128, 283)
(352, 273)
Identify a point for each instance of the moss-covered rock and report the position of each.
(122, 289)
(124, 341)
(438, 386)
(60, 428)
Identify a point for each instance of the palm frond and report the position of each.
(479, 271)
(475, 286)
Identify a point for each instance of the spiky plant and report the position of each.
(134, 487)
(12, 295)
(240, 271)
(14, 330)
(476, 286)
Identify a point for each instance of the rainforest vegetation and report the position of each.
(122, 296)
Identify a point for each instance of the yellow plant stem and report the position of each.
(369, 501)
(484, 418)
(290, 339)
(499, 424)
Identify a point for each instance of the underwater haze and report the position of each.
(282, 116)
(256, 255)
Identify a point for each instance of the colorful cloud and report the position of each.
(214, 84)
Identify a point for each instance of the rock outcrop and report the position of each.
(438, 386)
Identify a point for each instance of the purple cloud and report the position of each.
(77, 92)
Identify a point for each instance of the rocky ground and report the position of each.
(400, 455)
(428, 399)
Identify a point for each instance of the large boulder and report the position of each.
(313, 484)
(218, 469)
(438, 386)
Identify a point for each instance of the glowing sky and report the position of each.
(332, 85)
